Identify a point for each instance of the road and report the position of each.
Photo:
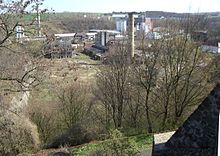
(146, 152)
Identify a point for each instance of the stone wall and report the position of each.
(198, 135)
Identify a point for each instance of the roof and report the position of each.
(109, 31)
(200, 130)
(93, 50)
(198, 135)
(100, 47)
(125, 14)
(119, 15)
(65, 35)
(91, 33)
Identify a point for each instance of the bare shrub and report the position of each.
(18, 135)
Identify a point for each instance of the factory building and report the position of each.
(121, 22)
(104, 36)
(58, 49)
(121, 25)
(141, 22)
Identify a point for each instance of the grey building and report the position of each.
(58, 49)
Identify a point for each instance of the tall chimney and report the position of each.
(38, 22)
(131, 33)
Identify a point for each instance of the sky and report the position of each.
(108, 6)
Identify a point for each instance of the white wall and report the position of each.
(121, 25)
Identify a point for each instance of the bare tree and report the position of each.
(113, 82)
(18, 74)
(18, 67)
(73, 104)
(183, 75)
(172, 71)
(147, 74)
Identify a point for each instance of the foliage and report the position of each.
(159, 87)
(113, 85)
(18, 135)
(72, 105)
(116, 144)
(71, 137)
(62, 117)
(18, 75)
(45, 123)
(119, 146)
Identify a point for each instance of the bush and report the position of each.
(18, 135)
(74, 136)
(68, 122)
(45, 122)
(117, 146)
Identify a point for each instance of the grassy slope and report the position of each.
(141, 141)
(62, 71)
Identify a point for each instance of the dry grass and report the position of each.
(62, 72)
(48, 152)
(80, 68)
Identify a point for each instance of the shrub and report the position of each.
(18, 135)
(45, 122)
(74, 136)
(117, 146)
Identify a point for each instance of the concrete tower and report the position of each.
(131, 33)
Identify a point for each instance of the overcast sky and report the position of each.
(107, 6)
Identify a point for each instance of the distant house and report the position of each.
(58, 49)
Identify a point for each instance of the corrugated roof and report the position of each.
(65, 35)
(109, 31)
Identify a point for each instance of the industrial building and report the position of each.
(65, 37)
(100, 46)
(141, 22)
(102, 37)
(58, 49)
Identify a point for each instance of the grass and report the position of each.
(83, 150)
(55, 77)
(141, 141)
(85, 58)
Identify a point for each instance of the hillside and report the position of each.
(80, 22)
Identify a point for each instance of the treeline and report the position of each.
(213, 28)
(80, 22)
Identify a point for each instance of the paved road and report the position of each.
(146, 152)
